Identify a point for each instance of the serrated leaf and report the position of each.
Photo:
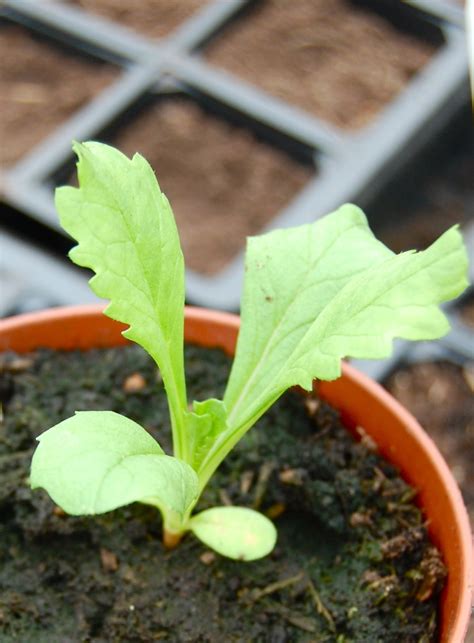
(127, 235)
(204, 425)
(329, 290)
(97, 461)
(236, 532)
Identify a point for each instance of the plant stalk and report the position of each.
(171, 539)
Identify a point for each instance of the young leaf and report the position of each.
(204, 426)
(321, 292)
(235, 532)
(97, 461)
(127, 234)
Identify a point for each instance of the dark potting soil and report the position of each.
(338, 60)
(352, 562)
(223, 183)
(441, 396)
(41, 84)
(155, 18)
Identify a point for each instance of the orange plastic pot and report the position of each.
(361, 402)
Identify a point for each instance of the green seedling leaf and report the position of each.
(127, 235)
(312, 296)
(204, 426)
(97, 461)
(320, 292)
(236, 532)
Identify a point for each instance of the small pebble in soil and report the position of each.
(109, 560)
(134, 383)
(207, 557)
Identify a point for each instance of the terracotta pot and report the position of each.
(361, 401)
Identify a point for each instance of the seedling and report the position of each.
(312, 295)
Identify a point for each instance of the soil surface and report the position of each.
(41, 84)
(223, 183)
(441, 396)
(338, 59)
(352, 562)
(155, 18)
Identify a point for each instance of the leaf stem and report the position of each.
(171, 539)
(175, 387)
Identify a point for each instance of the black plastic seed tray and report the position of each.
(33, 279)
(351, 166)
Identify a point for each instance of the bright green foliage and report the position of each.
(126, 233)
(236, 532)
(112, 462)
(205, 425)
(346, 295)
(312, 295)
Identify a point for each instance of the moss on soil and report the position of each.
(352, 562)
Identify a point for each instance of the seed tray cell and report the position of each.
(151, 18)
(32, 279)
(42, 84)
(440, 395)
(352, 166)
(203, 161)
(352, 57)
(466, 311)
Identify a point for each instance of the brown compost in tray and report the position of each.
(155, 18)
(41, 84)
(223, 183)
(419, 207)
(466, 312)
(352, 561)
(426, 200)
(337, 60)
(441, 396)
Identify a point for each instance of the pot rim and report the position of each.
(223, 334)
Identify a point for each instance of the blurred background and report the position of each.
(254, 114)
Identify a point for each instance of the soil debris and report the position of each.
(398, 545)
(433, 573)
(207, 557)
(135, 589)
(264, 474)
(256, 594)
(109, 560)
(320, 607)
(134, 383)
(293, 476)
